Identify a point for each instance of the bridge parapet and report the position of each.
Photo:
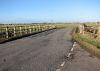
(93, 31)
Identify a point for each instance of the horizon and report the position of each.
(40, 11)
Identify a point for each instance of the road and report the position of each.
(81, 61)
(40, 52)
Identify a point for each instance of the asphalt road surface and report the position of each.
(82, 61)
(40, 52)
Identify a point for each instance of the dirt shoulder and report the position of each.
(82, 61)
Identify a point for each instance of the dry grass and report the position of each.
(90, 45)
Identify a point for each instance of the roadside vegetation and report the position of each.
(88, 43)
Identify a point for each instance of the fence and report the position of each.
(93, 31)
(11, 31)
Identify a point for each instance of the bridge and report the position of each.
(45, 51)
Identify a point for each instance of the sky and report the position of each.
(31, 11)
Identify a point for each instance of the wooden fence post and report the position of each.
(20, 30)
(38, 27)
(33, 29)
(99, 31)
(30, 29)
(25, 29)
(7, 34)
(14, 31)
(81, 29)
(42, 27)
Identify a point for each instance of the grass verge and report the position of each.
(87, 43)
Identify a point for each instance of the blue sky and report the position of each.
(24, 11)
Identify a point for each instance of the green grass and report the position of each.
(88, 40)
(89, 44)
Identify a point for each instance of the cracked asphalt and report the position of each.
(41, 52)
(82, 61)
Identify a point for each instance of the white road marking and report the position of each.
(74, 44)
(69, 55)
(58, 70)
(72, 49)
(63, 63)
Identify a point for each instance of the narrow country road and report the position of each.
(40, 52)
